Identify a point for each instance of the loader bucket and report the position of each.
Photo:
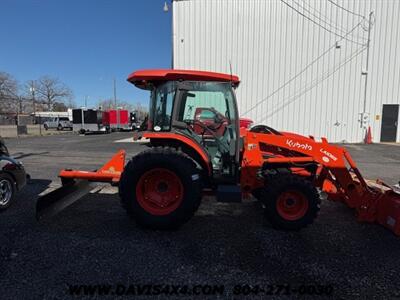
(388, 210)
(55, 201)
(378, 202)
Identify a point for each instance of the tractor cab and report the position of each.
(200, 106)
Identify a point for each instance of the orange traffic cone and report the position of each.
(368, 136)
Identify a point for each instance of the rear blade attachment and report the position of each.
(76, 184)
(55, 201)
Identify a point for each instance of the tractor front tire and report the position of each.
(160, 188)
(291, 202)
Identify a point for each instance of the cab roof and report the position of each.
(141, 78)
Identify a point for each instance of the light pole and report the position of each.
(32, 90)
(365, 116)
(115, 94)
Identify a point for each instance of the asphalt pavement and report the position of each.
(94, 242)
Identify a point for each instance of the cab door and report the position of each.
(207, 112)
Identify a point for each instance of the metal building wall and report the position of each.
(294, 76)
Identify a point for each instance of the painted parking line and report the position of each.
(130, 140)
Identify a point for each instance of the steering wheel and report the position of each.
(205, 128)
(193, 122)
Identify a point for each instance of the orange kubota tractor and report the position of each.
(162, 187)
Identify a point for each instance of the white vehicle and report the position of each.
(59, 123)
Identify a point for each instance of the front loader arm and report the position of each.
(337, 174)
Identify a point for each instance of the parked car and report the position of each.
(59, 123)
(12, 177)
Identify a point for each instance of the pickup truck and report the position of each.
(59, 123)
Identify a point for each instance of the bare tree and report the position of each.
(31, 102)
(8, 93)
(108, 104)
(58, 106)
(70, 103)
(51, 90)
(140, 110)
(105, 104)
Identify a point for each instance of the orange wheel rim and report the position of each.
(159, 191)
(292, 205)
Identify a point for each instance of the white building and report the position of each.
(302, 63)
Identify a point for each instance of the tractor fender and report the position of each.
(188, 145)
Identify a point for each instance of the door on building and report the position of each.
(390, 121)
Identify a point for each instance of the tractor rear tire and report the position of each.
(291, 202)
(160, 188)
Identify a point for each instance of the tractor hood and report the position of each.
(145, 78)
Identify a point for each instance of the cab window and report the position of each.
(208, 109)
(162, 102)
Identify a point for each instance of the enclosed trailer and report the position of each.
(117, 119)
(88, 120)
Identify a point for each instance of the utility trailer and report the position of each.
(162, 187)
(88, 121)
(117, 119)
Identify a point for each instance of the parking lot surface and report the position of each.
(94, 242)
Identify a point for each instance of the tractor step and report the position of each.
(229, 193)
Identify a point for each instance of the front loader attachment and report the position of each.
(332, 169)
(373, 200)
(76, 184)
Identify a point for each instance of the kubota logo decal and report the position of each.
(298, 145)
